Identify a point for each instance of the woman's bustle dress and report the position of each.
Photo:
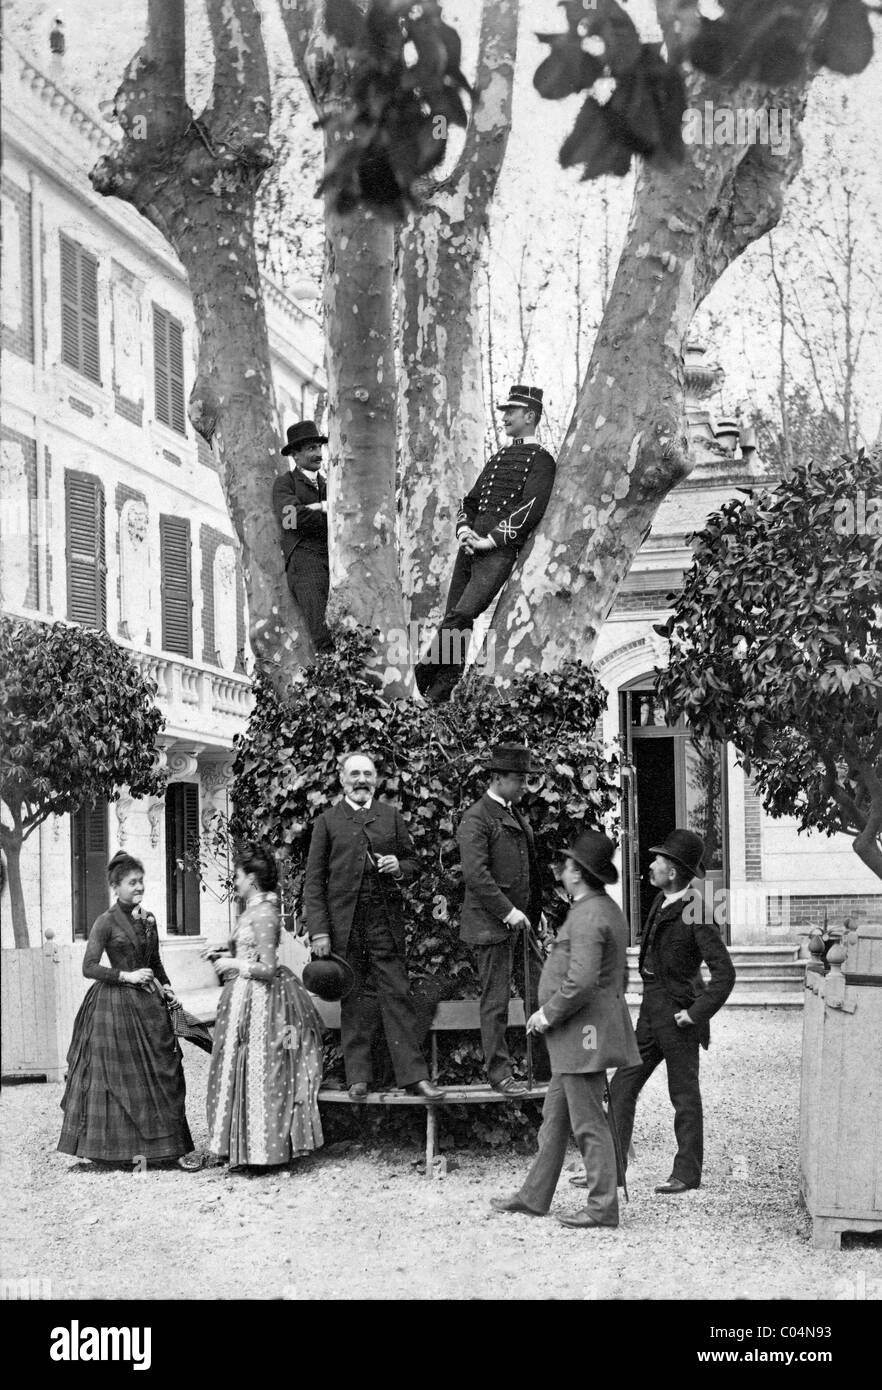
(125, 1091)
(266, 1064)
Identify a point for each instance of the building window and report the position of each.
(79, 310)
(88, 867)
(86, 567)
(168, 370)
(177, 598)
(181, 851)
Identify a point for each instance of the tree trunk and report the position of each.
(360, 363)
(441, 405)
(11, 843)
(627, 443)
(196, 181)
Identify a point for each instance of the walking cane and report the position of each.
(527, 1008)
(616, 1138)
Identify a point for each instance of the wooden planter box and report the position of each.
(840, 1112)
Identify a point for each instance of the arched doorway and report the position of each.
(669, 778)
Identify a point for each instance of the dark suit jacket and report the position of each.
(681, 942)
(500, 870)
(293, 492)
(126, 946)
(582, 990)
(336, 863)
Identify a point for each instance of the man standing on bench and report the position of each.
(359, 852)
(503, 896)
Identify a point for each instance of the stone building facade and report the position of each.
(113, 513)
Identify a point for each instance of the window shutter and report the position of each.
(176, 375)
(89, 316)
(70, 305)
(86, 567)
(160, 364)
(79, 310)
(168, 370)
(177, 602)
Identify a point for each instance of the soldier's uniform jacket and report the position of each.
(510, 496)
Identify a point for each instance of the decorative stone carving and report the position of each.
(182, 765)
(134, 570)
(122, 807)
(155, 812)
(216, 778)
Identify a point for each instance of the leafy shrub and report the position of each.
(432, 762)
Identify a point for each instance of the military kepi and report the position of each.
(303, 433)
(529, 396)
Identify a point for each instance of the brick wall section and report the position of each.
(205, 455)
(650, 600)
(806, 910)
(21, 340)
(129, 410)
(29, 449)
(753, 832)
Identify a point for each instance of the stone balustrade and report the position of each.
(195, 697)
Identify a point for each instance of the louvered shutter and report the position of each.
(79, 310)
(70, 305)
(176, 375)
(86, 567)
(168, 370)
(177, 601)
(160, 364)
(182, 843)
(89, 854)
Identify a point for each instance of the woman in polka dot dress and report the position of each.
(266, 1063)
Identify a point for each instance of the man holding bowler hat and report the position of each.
(676, 1006)
(300, 502)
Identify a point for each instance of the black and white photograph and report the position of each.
(441, 670)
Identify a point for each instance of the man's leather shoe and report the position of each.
(582, 1220)
(674, 1186)
(510, 1086)
(513, 1204)
(428, 1089)
(358, 1090)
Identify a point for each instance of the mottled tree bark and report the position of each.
(196, 180)
(360, 365)
(627, 444)
(11, 840)
(440, 399)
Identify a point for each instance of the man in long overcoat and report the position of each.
(676, 1008)
(587, 1028)
(300, 502)
(359, 853)
(503, 898)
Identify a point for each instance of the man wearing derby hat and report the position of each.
(584, 1019)
(300, 502)
(503, 508)
(503, 897)
(676, 1006)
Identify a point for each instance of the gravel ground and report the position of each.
(367, 1224)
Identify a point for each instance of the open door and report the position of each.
(670, 778)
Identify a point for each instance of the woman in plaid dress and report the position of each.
(266, 1064)
(125, 1091)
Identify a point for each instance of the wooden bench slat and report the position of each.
(453, 1095)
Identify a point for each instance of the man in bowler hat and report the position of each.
(359, 852)
(503, 508)
(584, 1019)
(676, 1006)
(300, 502)
(503, 897)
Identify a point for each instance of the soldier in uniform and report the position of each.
(300, 502)
(503, 508)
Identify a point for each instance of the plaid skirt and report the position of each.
(265, 1073)
(125, 1091)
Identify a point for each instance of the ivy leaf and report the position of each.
(846, 41)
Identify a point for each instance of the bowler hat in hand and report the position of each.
(304, 433)
(510, 757)
(686, 849)
(593, 851)
(331, 978)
